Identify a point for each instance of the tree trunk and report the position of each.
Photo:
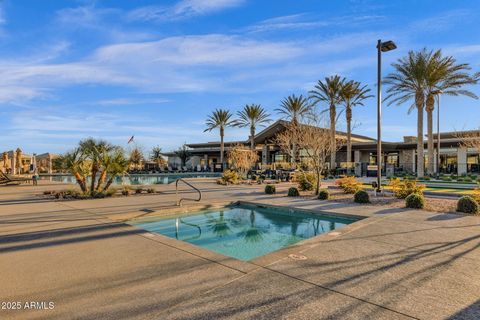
(94, 176)
(101, 179)
(348, 112)
(252, 140)
(109, 183)
(222, 148)
(430, 106)
(81, 182)
(333, 115)
(419, 102)
(317, 187)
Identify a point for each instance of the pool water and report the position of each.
(243, 232)
(136, 179)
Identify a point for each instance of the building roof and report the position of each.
(267, 134)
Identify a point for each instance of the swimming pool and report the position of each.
(243, 232)
(137, 179)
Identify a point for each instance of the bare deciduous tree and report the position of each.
(241, 159)
(313, 141)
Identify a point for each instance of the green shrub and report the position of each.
(293, 192)
(138, 190)
(445, 178)
(323, 194)
(126, 191)
(349, 184)
(229, 177)
(306, 181)
(150, 190)
(361, 196)
(110, 192)
(415, 201)
(467, 204)
(270, 189)
(460, 179)
(425, 178)
(402, 189)
(97, 195)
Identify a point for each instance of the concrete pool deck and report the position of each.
(395, 264)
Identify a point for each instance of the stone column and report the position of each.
(265, 154)
(50, 169)
(358, 163)
(462, 160)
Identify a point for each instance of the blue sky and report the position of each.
(156, 69)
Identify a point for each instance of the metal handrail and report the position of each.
(179, 201)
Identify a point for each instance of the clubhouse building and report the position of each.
(397, 156)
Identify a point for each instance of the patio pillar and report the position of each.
(462, 160)
(265, 154)
(358, 163)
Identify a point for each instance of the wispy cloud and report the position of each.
(182, 10)
(130, 101)
(309, 21)
(442, 21)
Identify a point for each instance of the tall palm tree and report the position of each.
(220, 119)
(408, 82)
(443, 76)
(352, 94)
(328, 91)
(252, 116)
(294, 108)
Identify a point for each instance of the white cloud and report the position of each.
(129, 101)
(182, 9)
(308, 21)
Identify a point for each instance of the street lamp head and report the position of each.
(388, 46)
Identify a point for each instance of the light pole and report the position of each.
(381, 47)
(438, 93)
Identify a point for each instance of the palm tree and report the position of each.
(220, 119)
(252, 116)
(94, 150)
(294, 108)
(328, 91)
(117, 165)
(443, 76)
(156, 155)
(352, 94)
(184, 154)
(408, 82)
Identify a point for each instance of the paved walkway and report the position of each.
(395, 264)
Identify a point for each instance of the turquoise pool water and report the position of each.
(243, 232)
(137, 179)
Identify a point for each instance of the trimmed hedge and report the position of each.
(323, 194)
(270, 189)
(467, 204)
(293, 192)
(415, 201)
(361, 196)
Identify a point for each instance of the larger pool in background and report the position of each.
(137, 179)
(243, 232)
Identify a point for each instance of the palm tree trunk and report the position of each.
(348, 112)
(419, 101)
(222, 148)
(430, 105)
(81, 181)
(101, 180)
(333, 115)
(109, 182)
(252, 140)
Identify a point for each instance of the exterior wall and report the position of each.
(462, 160)
(407, 160)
